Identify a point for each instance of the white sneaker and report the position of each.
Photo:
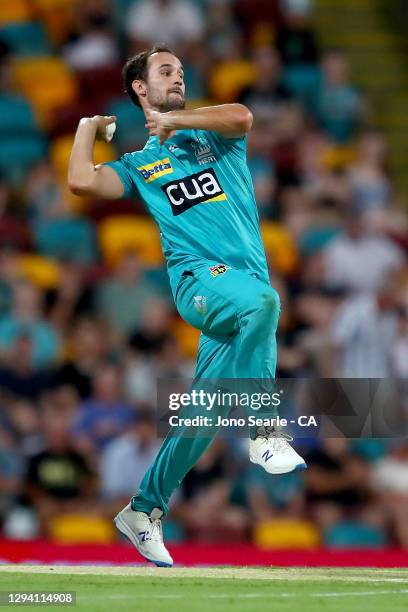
(271, 450)
(146, 534)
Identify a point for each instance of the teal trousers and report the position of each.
(238, 317)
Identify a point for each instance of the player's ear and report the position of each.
(139, 87)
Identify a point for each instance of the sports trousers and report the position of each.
(238, 317)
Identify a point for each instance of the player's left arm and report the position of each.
(229, 120)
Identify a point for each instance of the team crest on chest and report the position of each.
(203, 151)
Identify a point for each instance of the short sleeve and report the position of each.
(121, 167)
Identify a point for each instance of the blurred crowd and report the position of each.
(87, 323)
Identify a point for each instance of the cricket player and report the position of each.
(194, 180)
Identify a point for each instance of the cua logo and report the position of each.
(193, 189)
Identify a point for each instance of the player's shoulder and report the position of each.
(138, 157)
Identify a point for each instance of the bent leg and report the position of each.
(238, 315)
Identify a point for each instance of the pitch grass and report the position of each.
(235, 589)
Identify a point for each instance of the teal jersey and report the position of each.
(198, 188)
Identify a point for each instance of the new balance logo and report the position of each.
(194, 189)
(144, 536)
(267, 455)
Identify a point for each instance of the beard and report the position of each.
(170, 102)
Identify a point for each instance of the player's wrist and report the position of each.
(171, 120)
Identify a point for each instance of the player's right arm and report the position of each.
(84, 178)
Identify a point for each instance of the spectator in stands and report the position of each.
(58, 233)
(59, 479)
(125, 460)
(25, 424)
(267, 96)
(295, 39)
(177, 22)
(88, 349)
(262, 170)
(370, 185)
(358, 260)
(18, 374)
(269, 498)
(336, 481)
(26, 319)
(389, 480)
(104, 415)
(121, 299)
(205, 509)
(93, 44)
(152, 353)
(399, 351)
(12, 467)
(364, 331)
(222, 28)
(338, 106)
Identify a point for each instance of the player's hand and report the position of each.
(158, 124)
(102, 123)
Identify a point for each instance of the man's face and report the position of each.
(164, 88)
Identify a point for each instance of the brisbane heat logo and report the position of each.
(153, 171)
(193, 189)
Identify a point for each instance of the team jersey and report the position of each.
(198, 188)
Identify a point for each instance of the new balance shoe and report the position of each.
(271, 450)
(146, 534)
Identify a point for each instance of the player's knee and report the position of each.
(267, 307)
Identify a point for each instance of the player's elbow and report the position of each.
(79, 187)
(245, 118)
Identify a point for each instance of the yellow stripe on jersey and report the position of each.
(217, 198)
(155, 170)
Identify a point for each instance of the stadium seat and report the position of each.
(228, 78)
(130, 233)
(61, 151)
(81, 528)
(22, 141)
(187, 337)
(130, 132)
(26, 39)
(280, 248)
(58, 16)
(47, 83)
(14, 11)
(71, 238)
(25, 151)
(41, 271)
(286, 533)
(16, 116)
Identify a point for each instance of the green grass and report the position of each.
(216, 589)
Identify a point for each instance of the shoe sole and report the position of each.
(124, 529)
(300, 467)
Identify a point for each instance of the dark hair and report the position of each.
(136, 69)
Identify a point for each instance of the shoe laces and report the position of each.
(155, 530)
(278, 439)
